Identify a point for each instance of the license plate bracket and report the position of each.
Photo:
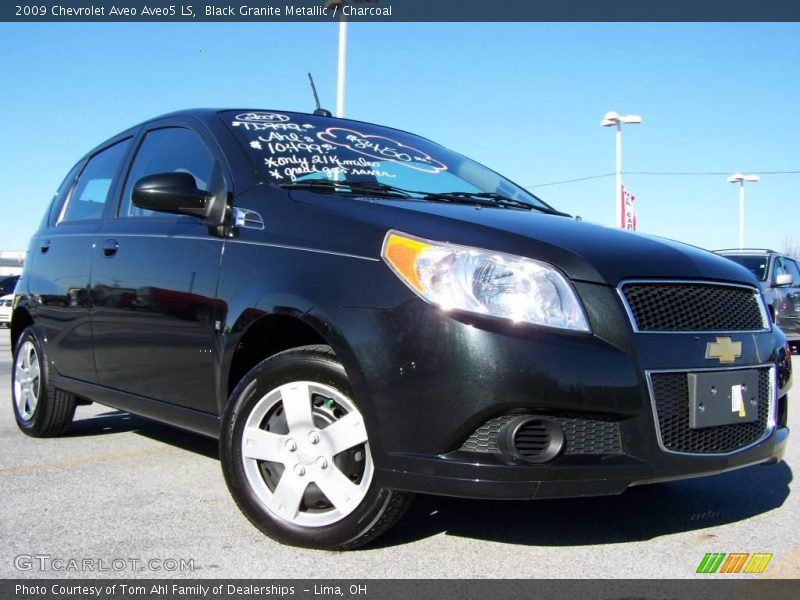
(722, 398)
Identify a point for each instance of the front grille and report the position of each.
(693, 307)
(582, 435)
(671, 397)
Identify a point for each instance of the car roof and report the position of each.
(754, 251)
(207, 114)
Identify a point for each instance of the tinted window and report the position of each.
(794, 271)
(8, 284)
(780, 268)
(91, 191)
(60, 195)
(169, 150)
(757, 265)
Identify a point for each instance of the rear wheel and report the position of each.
(296, 454)
(40, 409)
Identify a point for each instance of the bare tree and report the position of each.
(791, 247)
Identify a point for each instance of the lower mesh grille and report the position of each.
(671, 397)
(591, 437)
(582, 436)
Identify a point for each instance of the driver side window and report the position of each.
(167, 150)
(794, 271)
(780, 268)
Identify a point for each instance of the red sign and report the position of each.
(627, 217)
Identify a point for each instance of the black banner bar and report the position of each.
(377, 11)
(708, 588)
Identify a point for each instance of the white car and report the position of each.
(6, 302)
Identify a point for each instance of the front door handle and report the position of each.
(44, 246)
(110, 248)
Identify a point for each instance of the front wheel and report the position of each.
(296, 455)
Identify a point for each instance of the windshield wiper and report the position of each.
(490, 199)
(372, 188)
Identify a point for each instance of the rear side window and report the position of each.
(91, 191)
(168, 150)
(61, 194)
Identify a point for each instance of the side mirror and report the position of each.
(177, 193)
(783, 279)
(174, 193)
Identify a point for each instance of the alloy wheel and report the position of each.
(27, 380)
(306, 454)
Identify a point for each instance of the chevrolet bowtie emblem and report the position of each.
(724, 349)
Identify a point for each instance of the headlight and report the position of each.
(484, 282)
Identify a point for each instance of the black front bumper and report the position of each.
(457, 475)
(427, 380)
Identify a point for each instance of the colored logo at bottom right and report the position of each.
(734, 562)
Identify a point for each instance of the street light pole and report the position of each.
(618, 174)
(613, 119)
(338, 6)
(741, 215)
(740, 179)
(342, 67)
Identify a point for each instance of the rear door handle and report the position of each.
(110, 248)
(44, 246)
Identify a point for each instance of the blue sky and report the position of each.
(523, 98)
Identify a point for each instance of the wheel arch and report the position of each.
(20, 321)
(266, 335)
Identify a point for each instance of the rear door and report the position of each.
(61, 261)
(154, 282)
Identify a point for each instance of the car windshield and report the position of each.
(756, 264)
(335, 156)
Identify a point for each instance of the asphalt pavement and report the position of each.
(128, 497)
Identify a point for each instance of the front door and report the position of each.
(154, 285)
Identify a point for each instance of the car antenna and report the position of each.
(322, 112)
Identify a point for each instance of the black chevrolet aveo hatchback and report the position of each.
(358, 314)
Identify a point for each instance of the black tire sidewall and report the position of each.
(273, 372)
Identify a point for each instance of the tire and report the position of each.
(304, 475)
(40, 409)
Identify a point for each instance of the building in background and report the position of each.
(11, 262)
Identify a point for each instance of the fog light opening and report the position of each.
(531, 439)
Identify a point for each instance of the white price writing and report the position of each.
(382, 148)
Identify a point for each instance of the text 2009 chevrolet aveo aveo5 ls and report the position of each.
(359, 314)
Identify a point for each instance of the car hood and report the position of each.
(584, 251)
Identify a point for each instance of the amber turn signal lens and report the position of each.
(402, 253)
